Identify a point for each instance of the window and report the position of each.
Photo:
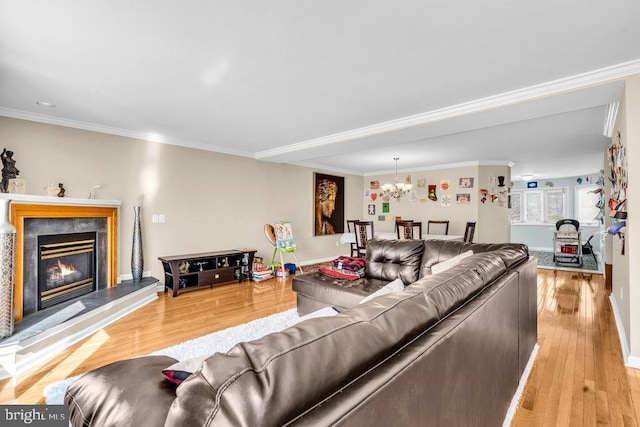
(516, 207)
(555, 206)
(533, 206)
(539, 206)
(587, 204)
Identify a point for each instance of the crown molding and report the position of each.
(549, 88)
(408, 170)
(610, 119)
(553, 87)
(443, 166)
(320, 167)
(145, 136)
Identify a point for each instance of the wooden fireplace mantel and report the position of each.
(23, 207)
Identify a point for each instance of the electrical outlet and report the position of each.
(161, 218)
(154, 218)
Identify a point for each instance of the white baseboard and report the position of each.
(629, 360)
(513, 407)
(633, 362)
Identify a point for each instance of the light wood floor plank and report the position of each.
(579, 377)
(576, 414)
(634, 384)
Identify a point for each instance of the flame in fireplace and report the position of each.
(66, 269)
(60, 273)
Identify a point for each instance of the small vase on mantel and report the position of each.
(7, 269)
(137, 262)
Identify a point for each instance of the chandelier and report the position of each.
(397, 189)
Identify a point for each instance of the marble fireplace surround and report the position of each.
(26, 206)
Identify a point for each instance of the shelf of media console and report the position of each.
(195, 271)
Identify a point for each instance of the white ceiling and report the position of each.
(337, 85)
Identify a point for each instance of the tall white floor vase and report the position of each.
(7, 269)
(137, 261)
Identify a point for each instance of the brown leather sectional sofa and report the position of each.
(449, 350)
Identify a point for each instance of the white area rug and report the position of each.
(220, 342)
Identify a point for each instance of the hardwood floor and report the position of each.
(577, 379)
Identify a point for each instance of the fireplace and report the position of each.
(35, 216)
(66, 267)
(63, 258)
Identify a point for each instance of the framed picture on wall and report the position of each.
(466, 182)
(328, 204)
(463, 198)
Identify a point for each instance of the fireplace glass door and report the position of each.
(66, 267)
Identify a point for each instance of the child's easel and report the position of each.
(285, 242)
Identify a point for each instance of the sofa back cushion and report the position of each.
(131, 392)
(272, 380)
(445, 265)
(437, 251)
(451, 288)
(392, 259)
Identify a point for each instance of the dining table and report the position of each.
(351, 237)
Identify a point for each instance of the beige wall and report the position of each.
(492, 221)
(211, 201)
(494, 225)
(633, 196)
(620, 263)
(626, 269)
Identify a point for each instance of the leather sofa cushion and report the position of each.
(445, 265)
(273, 380)
(391, 259)
(338, 293)
(513, 253)
(488, 265)
(131, 392)
(451, 288)
(436, 251)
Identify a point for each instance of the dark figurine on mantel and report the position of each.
(9, 170)
(61, 192)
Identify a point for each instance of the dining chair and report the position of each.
(364, 232)
(468, 232)
(351, 228)
(407, 230)
(588, 249)
(437, 227)
(395, 223)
